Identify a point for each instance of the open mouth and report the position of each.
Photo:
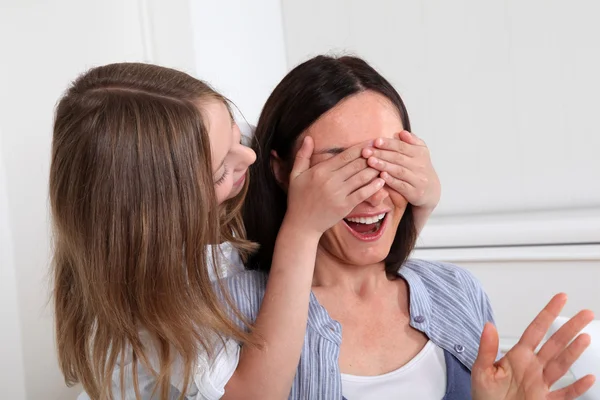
(367, 228)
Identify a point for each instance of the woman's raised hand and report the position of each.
(523, 374)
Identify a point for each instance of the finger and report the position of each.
(398, 146)
(411, 138)
(564, 336)
(536, 331)
(408, 191)
(488, 348)
(559, 366)
(397, 171)
(302, 161)
(574, 390)
(360, 179)
(362, 194)
(351, 169)
(348, 155)
(391, 156)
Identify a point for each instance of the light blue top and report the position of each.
(446, 303)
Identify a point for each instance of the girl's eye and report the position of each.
(222, 178)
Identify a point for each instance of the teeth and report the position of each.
(367, 220)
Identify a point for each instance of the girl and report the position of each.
(147, 173)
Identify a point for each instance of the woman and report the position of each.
(381, 326)
(148, 171)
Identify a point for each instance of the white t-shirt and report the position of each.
(422, 378)
(230, 261)
(213, 375)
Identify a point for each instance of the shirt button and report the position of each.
(459, 348)
(419, 319)
(332, 370)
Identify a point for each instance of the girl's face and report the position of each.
(230, 157)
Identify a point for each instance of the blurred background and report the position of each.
(506, 94)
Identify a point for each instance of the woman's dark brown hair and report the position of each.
(133, 210)
(301, 98)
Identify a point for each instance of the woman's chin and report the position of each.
(365, 258)
(345, 247)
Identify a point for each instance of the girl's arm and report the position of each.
(318, 198)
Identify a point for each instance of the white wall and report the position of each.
(12, 382)
(240, 49)
(505, 93)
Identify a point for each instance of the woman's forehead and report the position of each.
(361, 117)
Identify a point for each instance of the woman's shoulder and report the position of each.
(437, 274)
(448, 288)
(246, 280)
(246, 290)
(453, 305)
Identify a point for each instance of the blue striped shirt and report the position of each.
(446, 303)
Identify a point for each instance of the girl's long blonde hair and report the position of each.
(133, 209)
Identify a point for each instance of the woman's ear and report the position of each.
(280, 170)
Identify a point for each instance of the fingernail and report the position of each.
(379, 142)
(367, 153)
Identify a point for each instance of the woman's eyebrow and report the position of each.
(331, 150)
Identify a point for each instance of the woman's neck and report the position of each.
(362, 280)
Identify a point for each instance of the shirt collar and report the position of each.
(322, 323)
(420, 309)
(420, 301)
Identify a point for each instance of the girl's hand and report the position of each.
(405, 165)
(321, 196)
(523, 374)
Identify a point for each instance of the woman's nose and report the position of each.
(378, 198)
